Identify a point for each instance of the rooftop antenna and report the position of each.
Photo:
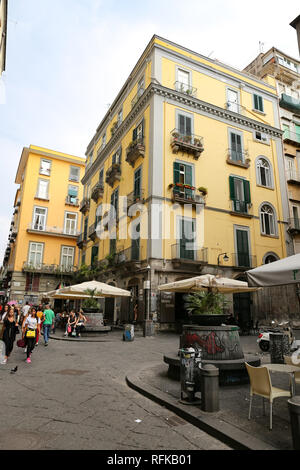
(261, 47)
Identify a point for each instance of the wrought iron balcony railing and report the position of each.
(188, 252)
(238, 157)
(72, 201)
(97, 191)
(186, 194)
(293, 176)
(185, 88)
(242, 260)
(84, 205)
(291, 137)
(113, 174)
(135, 150)
(57, 231)
(240, 207)
(135, 198)
(48, 268)
(191, 144)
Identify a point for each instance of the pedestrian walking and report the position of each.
(9, 333)
(25, 309)
(40, 315)
(80, 323)
(5, 312)
(48, 324)
(31, 326)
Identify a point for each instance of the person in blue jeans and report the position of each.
(48, 323)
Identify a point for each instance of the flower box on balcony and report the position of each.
(190, 144)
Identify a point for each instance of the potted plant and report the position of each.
(206, 308)
(202, 190)
(91, 304)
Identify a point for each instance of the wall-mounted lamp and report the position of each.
(225, 258)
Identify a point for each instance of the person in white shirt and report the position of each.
(25, 309)
(30, 327)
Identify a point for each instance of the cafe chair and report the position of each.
(260, 384)
(288, 360)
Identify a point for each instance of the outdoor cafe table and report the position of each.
(286, 368)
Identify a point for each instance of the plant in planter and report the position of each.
(202, 190)
(206, 307)
(90, 304)
(188, 139)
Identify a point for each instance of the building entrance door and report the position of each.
(242, 309)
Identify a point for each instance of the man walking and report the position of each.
(48, 323)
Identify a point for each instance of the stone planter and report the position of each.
(209, 320)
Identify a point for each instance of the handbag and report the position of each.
(73, 333)
(69, 329)
(30, 334)
(21, 343)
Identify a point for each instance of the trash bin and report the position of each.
(277, 348)
(190, 364)
(294, 409)
(128, 334)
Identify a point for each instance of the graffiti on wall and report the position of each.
(211, 343)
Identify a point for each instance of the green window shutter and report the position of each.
(181, 124)
(143, 127)
(188, 175)
(137, 183)
(247, 195)
(176, 172)
(232, 188)
(188, 126)
(134, 134)
(255, 102)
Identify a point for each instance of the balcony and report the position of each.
(187, 255)
(137, 97)
(48, 268)
(294, 226)
(241, 260)
(113, 174)
(238, 158)
(130, 259)
(185, 88)
(186, 194)
(134, 151)
(52, 231)
(293, 177)
(92, 233)
(72, 201)
(84, 205)
(133, 198)
(290, 103)
(191, 144)
(241, 208)
(291, 138)
(97, 192)
(81, 241)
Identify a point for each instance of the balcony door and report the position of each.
(35, 254)
(67, 257)
(39, 218)
(187, 238)
(70, 227)
(242, 247)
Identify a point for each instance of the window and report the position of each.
(141, 87)
(74, 173)
(183, 81)
(120, 117)
(261, 137)
(98, 215)
(39, 218)
(239, 194)
(72, 194)
(184, 124)
(258, 104)
(35, 254)
(135, 242)
(32, 282)
(290, 168)
(70, 227)
(183, 175)
(43, 189)
(101, 176)
(270, 258)
(232, 100)
(236, 147)
(114, 201)
(137, 183)
(263, 173)
(187, 235)
(103, 143)
(85, 228)
(267, 220)
(138, 132)
(67, 257)
(45, 167)
(116, 158)
(94, 257)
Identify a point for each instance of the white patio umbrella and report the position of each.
(208, 282)
(100, 290)
(282, 272)
(56, 294)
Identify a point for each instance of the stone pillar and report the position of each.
(210, 388)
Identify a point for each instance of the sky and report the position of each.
(68, 59)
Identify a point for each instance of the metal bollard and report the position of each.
(210, 388)
(294, 408)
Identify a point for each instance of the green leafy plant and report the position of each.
(202, 190)
(205, 303)
(92, 302)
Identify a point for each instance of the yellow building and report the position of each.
(198, 145)
(42, 250)
(3, 34)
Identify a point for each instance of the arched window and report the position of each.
(264, 172)
(270, 259)
(268, 220)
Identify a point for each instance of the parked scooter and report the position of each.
(264, 336)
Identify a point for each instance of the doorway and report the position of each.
(242, 309)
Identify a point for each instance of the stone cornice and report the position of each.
(193, 103)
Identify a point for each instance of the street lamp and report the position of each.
(225, 258)
(148, 324)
